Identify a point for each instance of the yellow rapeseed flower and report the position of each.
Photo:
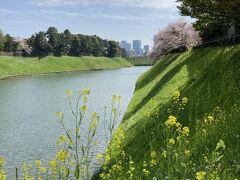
(153, 154)
(86, 91)
(176, 94)
(200, 175)
(114, 98)
(43, 170)
(62, 139)
(164, 154)
(69, 93)
(153, 162)
(171, 141)
(59, 114)
(99, 156)
(119, 99)
(84, 108)
(38, 163)
(3, 175)
(172, 120)
(2, 161)
(62, 155)
(53, 163)
(220, 144)
(185, 131)
(146, 172)
(187, 153)
(184, 100)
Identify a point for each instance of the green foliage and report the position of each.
(210, 79)
(39, 45)
(13, 66)
(213, 17)
(54, 43)
(1, 40)
(9, 44)
(112, 49)
(174, 157)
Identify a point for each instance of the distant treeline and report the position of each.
(7, 43)
(56, 43)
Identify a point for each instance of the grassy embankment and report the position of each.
(13, 66)
(141, 61)
(210, 79)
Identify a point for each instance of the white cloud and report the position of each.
(156, 4)
(7, 11)
(56, 13)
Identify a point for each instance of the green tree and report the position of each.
(9, 44)
(39, 45)
(213, 17)
(53, 40)
(75, 46)
(113, 49)
(1, 40)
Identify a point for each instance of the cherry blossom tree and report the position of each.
(176, 37)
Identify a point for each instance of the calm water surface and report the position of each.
(28, 126)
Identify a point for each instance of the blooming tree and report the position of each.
(176, 37)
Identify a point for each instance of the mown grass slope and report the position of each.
(210, 78)
(141, 61)
(14, 66)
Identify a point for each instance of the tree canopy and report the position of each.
(213, 17)
(54, 43)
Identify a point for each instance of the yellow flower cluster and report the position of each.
(187, 153)
(220, 145)
(25, 174)
(172, 141)
(186, 131)
(176, 94)
(59, 114)
(184, 100)
(69, 93)
(84, 108)
(2, 161)
(38, 163)
(86, 91)
(116, 98)
(2, 173)
(172, 120)
(99, 156)
(146, 172)
(61, 140)
(209, 119)
(119, 137)
(62, 155)
(200, 175)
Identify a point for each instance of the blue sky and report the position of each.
(111, 19)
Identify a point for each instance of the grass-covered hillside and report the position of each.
(13, 66)
(210, 79)
(141, 61)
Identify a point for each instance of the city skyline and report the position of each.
(112, 19)
(136, 48)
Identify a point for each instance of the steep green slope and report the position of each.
(210, 78)
(14, 66)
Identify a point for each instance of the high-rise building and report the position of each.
(125, 45)
(146, 49)
(137, 47)
(129, 45)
